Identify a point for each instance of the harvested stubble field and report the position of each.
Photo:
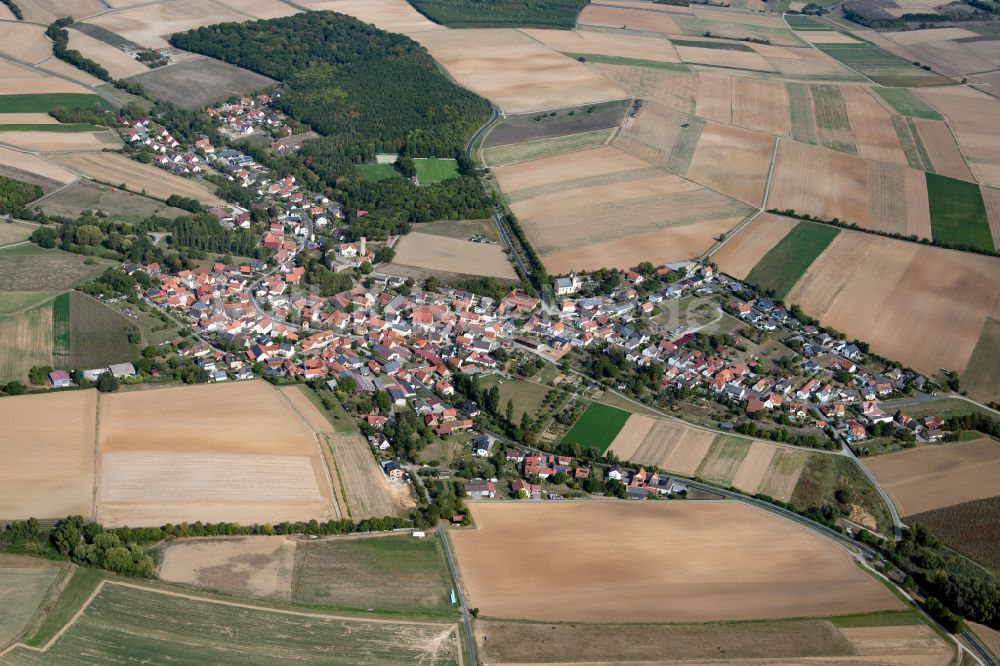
(18, 164)
(226, 452)
(872, 126)
(693, 561)
(984, 364)
(516, 72)
(21, 82)
(452, 255)
(819, 182)
(259, 566)
(972, 528)
(940, 149)
(673, 89)
(614, 44)
(119, 64)
(738, 257)
(643, 16)
(350, 572)
(933, 477)
(603, 207)
(391, 15)
(896, 638)
(538, 148)
(24, 582)
(879, 290)
(730, 461)
(115, 169)
(965, 108)
(201, 81)
(128, 622)
(47, 464)
(369, 493)
(147, 25)
(732, 161)
(87, 196)
(24, 42)
(37, 140)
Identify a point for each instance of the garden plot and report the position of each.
(516, 72)
(693, 561)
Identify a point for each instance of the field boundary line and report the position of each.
(336, 470)
(191, 597)
(844, 65)
(97, 456)
(770, 173)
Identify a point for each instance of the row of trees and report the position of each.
(60, 48)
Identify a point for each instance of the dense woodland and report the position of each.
(506, 13)
(366, 91)
(14, 195)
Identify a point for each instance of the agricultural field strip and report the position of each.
(191, 597)
(823, 52)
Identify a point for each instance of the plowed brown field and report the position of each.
(656, 562)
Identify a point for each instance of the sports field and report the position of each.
(598, 427)
(656, 562)
(958, 214)
(782, 266)
(376, 172)
(431, 171)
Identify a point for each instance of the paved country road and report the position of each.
(466, 617)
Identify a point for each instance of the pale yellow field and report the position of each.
(58, 67)
(516, 72)
(732, 161)
(452, 255)
(936, 476)
(114, 169)
(602, 43)
(390, 15)
(24, 41)
(616, 17)
(227, 452)
(656, 562)
(965, 109)
(897, 200)
(369, 494)
(762, 106)
(880, 290)
(741, 254)
(259, 566)
(820, 182)
(305, 408)
(717, 57)
(118, 64)
(27, 119)
(674, 447)
(715, 98)
(754, 467)
(942, 149)
(676, 90)
(872, 126)
(36, 165)
(47, 455)
(632, 435)
(78, 9)
(262, 9)
(39, 85)
(61, 141)
(149, 25)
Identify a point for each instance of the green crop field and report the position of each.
(784, 264)
(801, 110)
(881, 66)
(394, 573)
(958, 214)
(907, 104)
(718, 46)
(50, 127)
(627, 62)
(62, 343)
(126, 625)
(376, 172)
(431, 171)
(598, 427)
(501, 13)
(832, 120)
(43, 103)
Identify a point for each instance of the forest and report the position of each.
(14, 195)
(501, 13)
(366, 91)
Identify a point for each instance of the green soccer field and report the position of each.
(435, 170)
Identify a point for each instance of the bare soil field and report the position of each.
(119, 64)
(36, 165)
(965, 109)
(693, 561)
(390, 15)
(259, 566)
(572, 204)
(942, 149)
(149, 25)
(820, 182)
(732, 161)
(723, 58)
(516, 72)
(37, 85)
(24, 41)
(114, 169)
(675, 90)
(453, 256)
(617, 17)
(738, 256)
(879, 290)
(932, 477)
(201, 81)
(227, 452)
(60, 68)
(872, 126)
(606, 43)
(48, 142)
(369, 493)
(27, 119)
(47, 455)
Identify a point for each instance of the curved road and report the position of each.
(479, 132)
